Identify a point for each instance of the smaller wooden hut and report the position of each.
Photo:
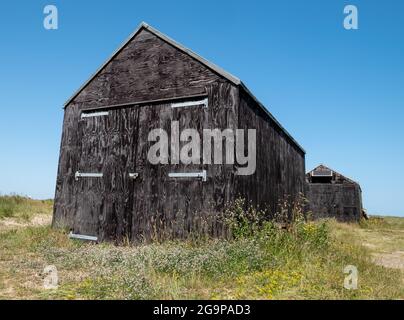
(332, 195)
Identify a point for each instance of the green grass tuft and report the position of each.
(19, 207)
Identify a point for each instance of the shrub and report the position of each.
(8, 206)
(243, 220)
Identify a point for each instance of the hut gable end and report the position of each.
(321, 173)
(145, 68)
(332, 195)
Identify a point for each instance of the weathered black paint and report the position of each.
(338, 197)
(151, 73)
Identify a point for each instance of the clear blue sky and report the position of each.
(339, 93)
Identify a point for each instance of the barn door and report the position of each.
(188, 181)
(120, 175)
(167, 196)
(120, 193)
(105, 180)
(89, 175)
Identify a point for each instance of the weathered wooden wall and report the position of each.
(147, 68)
(340, 201)
(280, 172)
(147, 75)
(117, 144)
(115, 206)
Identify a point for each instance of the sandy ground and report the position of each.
(390, 260)
(12, 223)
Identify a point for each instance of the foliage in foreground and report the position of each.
(262, 261)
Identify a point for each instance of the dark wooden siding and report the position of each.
(115, 207)
(340, 201)
(280, 171)
(147, 68)
(146, 75)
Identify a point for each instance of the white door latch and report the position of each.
(201, 175)
(133, 175)
(79, 174)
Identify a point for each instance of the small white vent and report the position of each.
(194, 103)
(322, 173)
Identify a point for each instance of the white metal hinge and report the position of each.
(82, 237)
(203, 103)
(201, 175)
(94, 114)
(78, 175)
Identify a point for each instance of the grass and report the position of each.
(382, 236)
(267, 262)
(23, 208)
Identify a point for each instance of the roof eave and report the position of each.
(271, 116)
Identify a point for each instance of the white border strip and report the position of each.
(94, 114)
(201, 175)
(194, 103)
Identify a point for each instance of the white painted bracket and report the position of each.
(94, 114)
(78, 175)
(133, 175)
(82, 237)
(201, 175)
(194, 103)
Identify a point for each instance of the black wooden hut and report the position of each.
(332, 195)
(107, 188)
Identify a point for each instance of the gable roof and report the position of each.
(322, 166)
(167, 39)
(236, 81)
